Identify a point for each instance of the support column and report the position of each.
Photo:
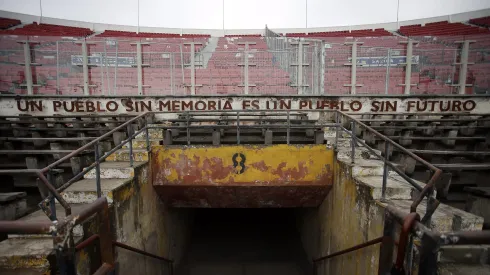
(353, 65)
(463, 66)
(322, 68)
(171, 60)
(193, 66)
(139, 66)
(408, 66)
(245, 65)
(300, 64)
(85, 68)
(85, 85)
(387, 77)
(27, 67)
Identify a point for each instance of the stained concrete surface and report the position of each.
(243, 242)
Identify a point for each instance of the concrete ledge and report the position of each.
(123, 155)
(141, 143)
(395, 190)
(154, 134)
(28, 254)
(13, 209)
(114, 170)
(367, 167)
(85, 191)
(462, 269)
(465, 254)
(446, 218)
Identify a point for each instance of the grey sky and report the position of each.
(240, 14)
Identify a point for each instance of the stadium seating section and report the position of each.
(166, 59)
(356, 33)
(149, 35)
(484, 21)
(36, 29)
(6, 23)
(442, 28)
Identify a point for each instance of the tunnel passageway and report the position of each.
(243, 242)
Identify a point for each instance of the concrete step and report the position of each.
(114, 170)
(368, 167)
(446, 218)
(462, 269)
(39, 216)
(154, 134)
(25, 256)
(123, 155)
(85, 191)
(13, 205)
(465, 254)
(396, 189)
(345, 151)
(141, 143)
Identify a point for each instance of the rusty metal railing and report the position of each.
(55, 192)
(61, 231)
(430, 242)
(425, 191)
(350, 249)
(48, 203)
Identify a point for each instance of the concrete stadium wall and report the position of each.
(347, 217)
(141, 220)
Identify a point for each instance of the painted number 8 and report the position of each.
(239, 163)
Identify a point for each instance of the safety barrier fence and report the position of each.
(141, 124)
(269, 65)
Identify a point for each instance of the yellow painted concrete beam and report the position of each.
(255, 165)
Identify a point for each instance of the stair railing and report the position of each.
(65, 250)
(426, 191)
(430, 242)
(47, 204)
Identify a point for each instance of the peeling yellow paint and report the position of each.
(348, 217)
(279, 164)
(82, 260)
(38, 261)
(124, 193)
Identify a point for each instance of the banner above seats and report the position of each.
(43, 105)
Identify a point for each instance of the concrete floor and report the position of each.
(244, 242)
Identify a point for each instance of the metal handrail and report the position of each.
(139, 251)
(92, 143)
(350, 249)
(54, 192)
(425, 191)
(447, 238)
(95, 237)
(62, 233)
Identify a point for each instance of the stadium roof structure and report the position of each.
(471, 20)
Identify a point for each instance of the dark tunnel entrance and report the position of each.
(243, 242)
